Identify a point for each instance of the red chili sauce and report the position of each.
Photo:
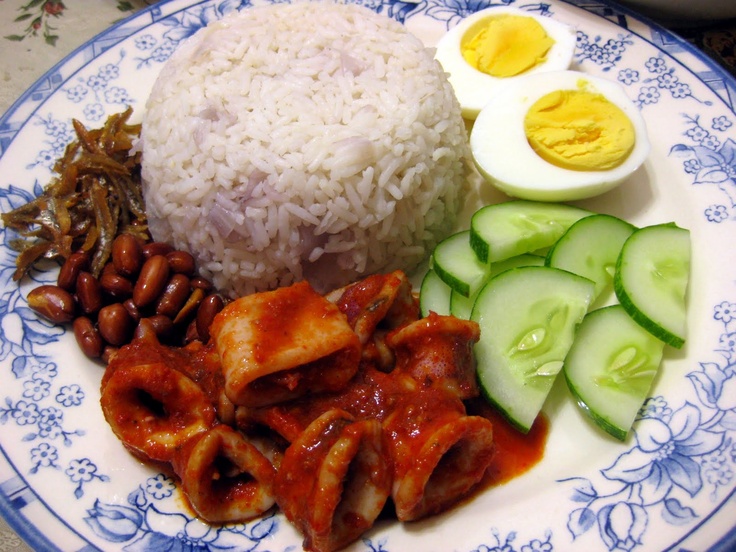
(515, 452)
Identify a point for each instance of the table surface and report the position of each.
(34, 36)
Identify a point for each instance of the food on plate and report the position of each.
(591, 248)
(334, 479)
(216, 492)
(94, 195)
(610, 368)
(307, 141)
(498, 45)
(528, 317)
(282, 344)
(559, 136)
(651, 280)
(398, 428)
(540, 271)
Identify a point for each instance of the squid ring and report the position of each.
(153, 409)
(334, 480)
(225, 477)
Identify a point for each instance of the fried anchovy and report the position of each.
(94, 194)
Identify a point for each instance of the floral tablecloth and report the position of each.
(36, 34)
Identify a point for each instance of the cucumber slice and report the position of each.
(434, 295)
(462, 307)
(504, 230)
(455, 263)
(651, 279)
(610, 368)
(527, 319)
(590, 248)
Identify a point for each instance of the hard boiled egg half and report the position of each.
(558, 136)
(497, 45)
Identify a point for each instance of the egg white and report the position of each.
(504, 157)
(472, 87)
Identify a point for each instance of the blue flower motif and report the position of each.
(114, 523)
(716, 470)
(160, 486)
(597, 55)
(716, 213)
(656, 65)
(96, 82)
(655, 407)
(82, 470)
(663, 456)
(691, 166)
(46, 158)
(145, 42)
(667, 80)
(681, 90)
(628, 76)
(25, 413)
(715, 386)
(697, 133)
(721, 123)
(36, 389)
(581, 40)
(94, 112)
(77, 93)
(108, 72)
(615, 47)
(725, 312)
(648, 95)
(44, 456)
(622, 525)
(711, 142)
(49, 422)
(70, 395)
(717, 161)
(117, 94)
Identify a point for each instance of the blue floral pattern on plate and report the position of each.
(657, 490)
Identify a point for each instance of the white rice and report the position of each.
(310, 140)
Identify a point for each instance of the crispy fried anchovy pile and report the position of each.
(95, 194)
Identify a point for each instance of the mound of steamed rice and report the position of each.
(303, 141)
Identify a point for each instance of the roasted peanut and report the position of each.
(87, 336)
(127, 255)
(52, 302)
(116, 285)
(201, 283)
(174, 296)
(209, 308)
(151, 281)
(115, 324)
(161, 325)
(152, 249)
(89, 293)
(133, 310)
(108, 352)
(70, 270)
(181, 262)
(146, 331)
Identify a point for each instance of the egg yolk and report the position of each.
(579, 130)
(505, 45)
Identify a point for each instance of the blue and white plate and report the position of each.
(66, 483)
